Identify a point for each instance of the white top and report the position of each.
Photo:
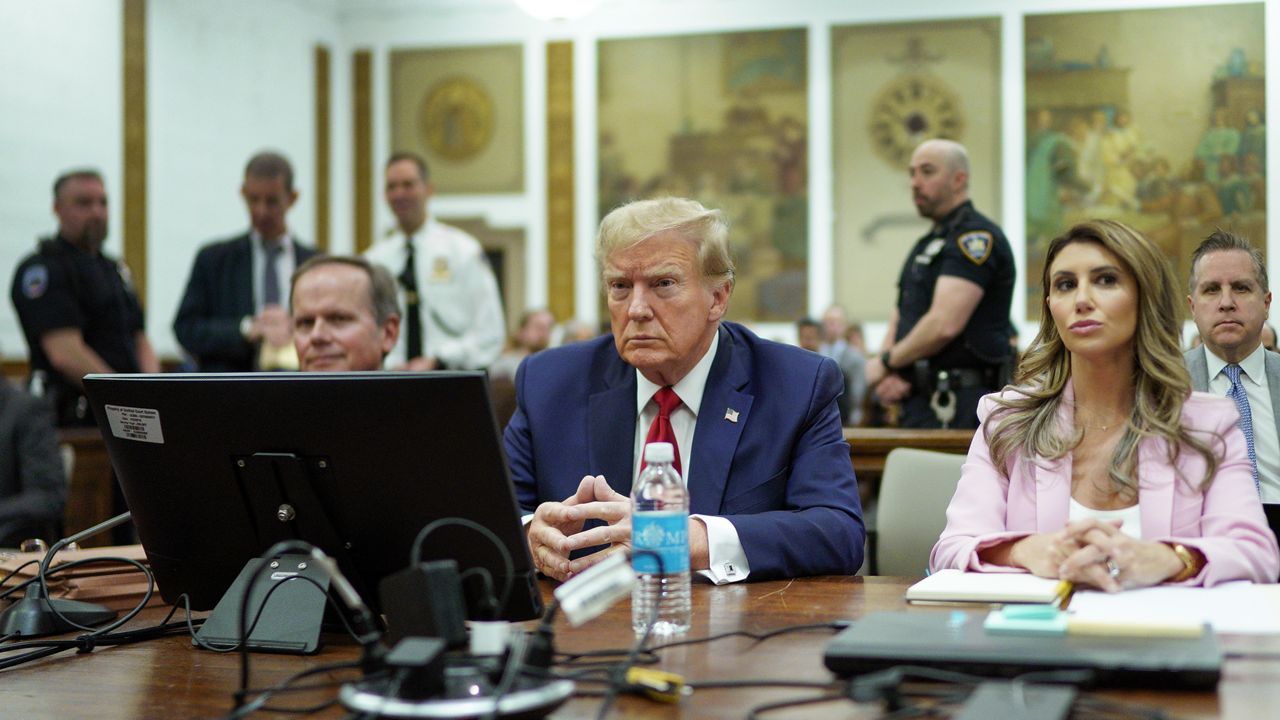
(1130, 517)
(727, 562)
(1266, 441)
(462, 322)
(285, 265)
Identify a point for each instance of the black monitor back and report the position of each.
(213, 465)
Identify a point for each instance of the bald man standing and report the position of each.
(947, 343)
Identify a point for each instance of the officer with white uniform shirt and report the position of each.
(453, 313)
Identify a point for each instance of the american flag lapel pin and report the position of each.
(731, 415)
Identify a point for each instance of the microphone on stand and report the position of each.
(37, 614)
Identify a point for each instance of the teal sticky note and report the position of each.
(1001, 622)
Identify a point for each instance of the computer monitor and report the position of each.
(216, 468)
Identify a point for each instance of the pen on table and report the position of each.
(1063, 593)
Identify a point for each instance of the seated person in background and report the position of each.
(33, 486)
(809, 334)
(574, 330)
(755, 422)
(1102, 467)
(345, 314)
(534, 335)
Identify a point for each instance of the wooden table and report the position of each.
(167, 678)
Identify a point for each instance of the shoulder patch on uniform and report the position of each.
(35, 280)
(976, 245)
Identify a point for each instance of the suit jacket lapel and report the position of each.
(1198, 367)
(1272, 364)
(1053, 477)
(242, 276)
(613, 423)
(715, 436)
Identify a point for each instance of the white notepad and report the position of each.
(958, 586)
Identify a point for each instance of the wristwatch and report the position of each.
(884, 360)
(1192, 562)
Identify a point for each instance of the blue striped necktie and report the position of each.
(1246, 417)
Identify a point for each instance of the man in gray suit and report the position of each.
(1229, 300)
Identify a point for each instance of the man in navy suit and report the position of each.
(232, 317)
(771, 486)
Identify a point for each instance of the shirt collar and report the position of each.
(258, 242)
(690, 386)
(1253, 366)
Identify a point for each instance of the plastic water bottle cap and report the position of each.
(659, 452)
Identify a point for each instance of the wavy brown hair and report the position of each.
(1026, 422)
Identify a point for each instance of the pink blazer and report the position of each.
(1225, 523)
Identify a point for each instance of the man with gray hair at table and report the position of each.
(756, 424)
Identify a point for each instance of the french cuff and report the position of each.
(727, 561)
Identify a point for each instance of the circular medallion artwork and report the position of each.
(456, 118)
(908, 111)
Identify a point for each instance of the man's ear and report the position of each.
(719, 300)
(390, 333)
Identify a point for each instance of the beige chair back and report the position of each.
(915, 490)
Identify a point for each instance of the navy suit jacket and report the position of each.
(220, 294)
(781, 474)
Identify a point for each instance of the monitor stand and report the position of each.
(292, 609)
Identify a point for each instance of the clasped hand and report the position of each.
(1080, 553)
(556, 530)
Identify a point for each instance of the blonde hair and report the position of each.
(1026, 422)
(635, 222)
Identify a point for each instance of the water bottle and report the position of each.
(660, 524)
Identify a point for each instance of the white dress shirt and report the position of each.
(727, 562)
(458, 300)
(1266, 442)
(286, 262)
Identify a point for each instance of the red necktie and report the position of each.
(661, 430)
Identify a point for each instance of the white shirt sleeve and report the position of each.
(727, 562)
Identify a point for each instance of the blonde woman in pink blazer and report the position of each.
(1102, 467)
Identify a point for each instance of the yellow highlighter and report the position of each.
(1063, 594)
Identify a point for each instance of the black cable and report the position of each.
(515, 658)
(755, 712)
(264, 695)
(283, 547)
(9, 591)
(758, 637)
(620, 673)
(415, 554)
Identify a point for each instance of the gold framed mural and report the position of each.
(1127, 120)
(462, 109)
(721, 118)
(893, 87)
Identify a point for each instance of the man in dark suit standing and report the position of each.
(756, 423)
(232, 317)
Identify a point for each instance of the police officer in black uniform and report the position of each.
(77, 308)
(948, 341)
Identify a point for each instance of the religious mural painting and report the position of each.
(1129, 121)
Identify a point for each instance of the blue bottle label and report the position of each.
(665, 533)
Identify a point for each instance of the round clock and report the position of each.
(908, 111)
(456, 118)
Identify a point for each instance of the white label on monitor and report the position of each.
(142, 424)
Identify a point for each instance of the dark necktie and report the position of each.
(660, 430)
(413, 316)
(270, 276)
(1237, 393)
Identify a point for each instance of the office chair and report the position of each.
(915, 490)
